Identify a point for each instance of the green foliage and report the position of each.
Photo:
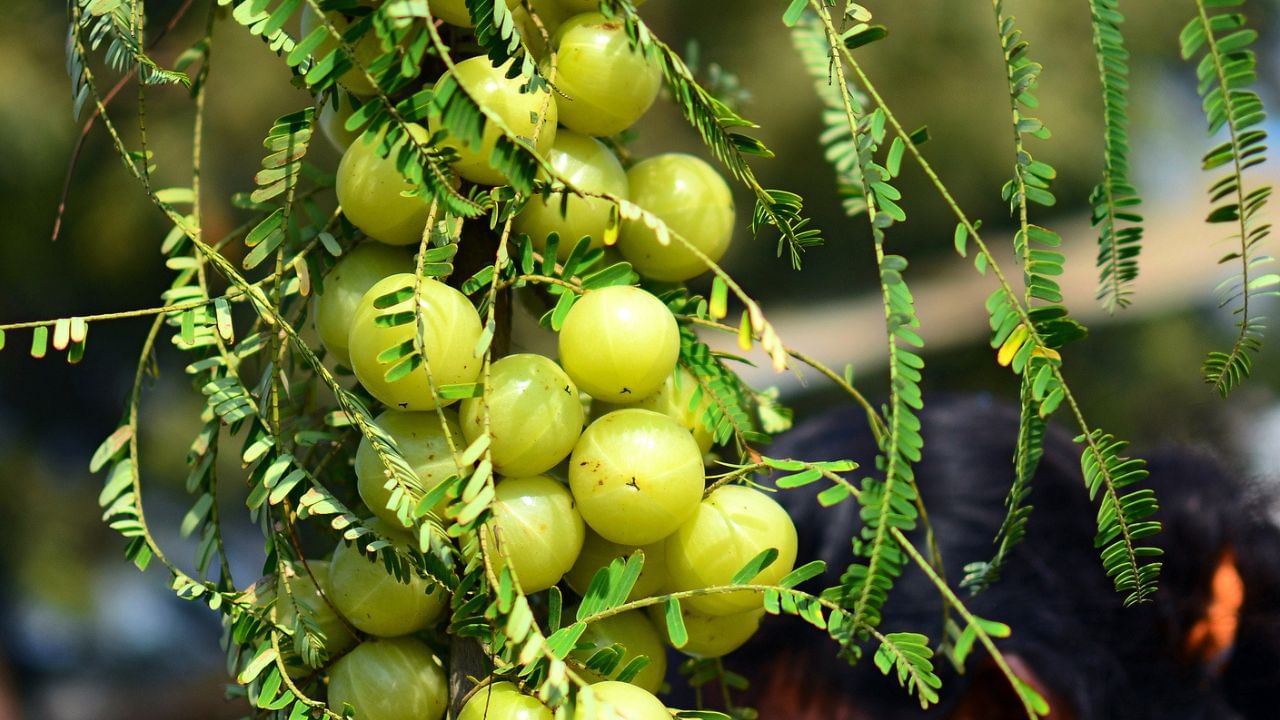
(119, 24)
(888, 503)
(270, 399)
(287, 143)
(1123, 520)
(719, 82)
(1225, 71)
(267, 20)
(1035, 247)
(512, 156)
(729, 414)
(908, 656)
(499, 36)
(1114, 199)
(837, 139)
(719, 127)
(1030, 449)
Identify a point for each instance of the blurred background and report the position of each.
(80, 630)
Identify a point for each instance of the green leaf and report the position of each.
(754, 567)
(460, 391)
(833, 495)
(719, 299)
(110, 447)
(794, 11)
(616, 274)
(262, 658)
(561, 310)
(621, 588)
(962, 239)
(805, 572)
(870, 34)
(39, 341)
(473, 452)
(1035, 699)
(676, 632)
(196, 515)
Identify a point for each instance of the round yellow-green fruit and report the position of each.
(637, 635)
(535, 416)
(731, 526)
(623, 701)
(619, 343)
(637, 476)
(370, 188)
(693, 200)
(372, 599)
(390, 679)
(421, 440)
(607, 85)
(589, 165)
(451, 329)
(597, 553)
(503, 701)
(521, 113)
(537, 528)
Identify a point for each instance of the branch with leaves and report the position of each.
(298, 420)
(1226, 70)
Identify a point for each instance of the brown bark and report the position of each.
(477, 249)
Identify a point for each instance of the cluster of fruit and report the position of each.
(598, 456)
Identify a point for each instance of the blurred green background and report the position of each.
(80, 631)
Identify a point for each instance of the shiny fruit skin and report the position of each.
(693, 200)
(537, 528)
(367, 49)
(421, 440)
(503, 701)
(619, 344)
(306, 597)
(333, 123)
(633, 631)
(637, 476)
(588, 165)
(550, 13)
(372, 599)
(731, 526)
(625, 702)
(490, 88)
(607, 85)
(455, 12)
(390, 679)
(673, 399)
(369, 189)
(452, 329)
(711, 636)
(535, 416)
(596, 555)
(344, 285)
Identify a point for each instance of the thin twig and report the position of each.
(88, 124)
